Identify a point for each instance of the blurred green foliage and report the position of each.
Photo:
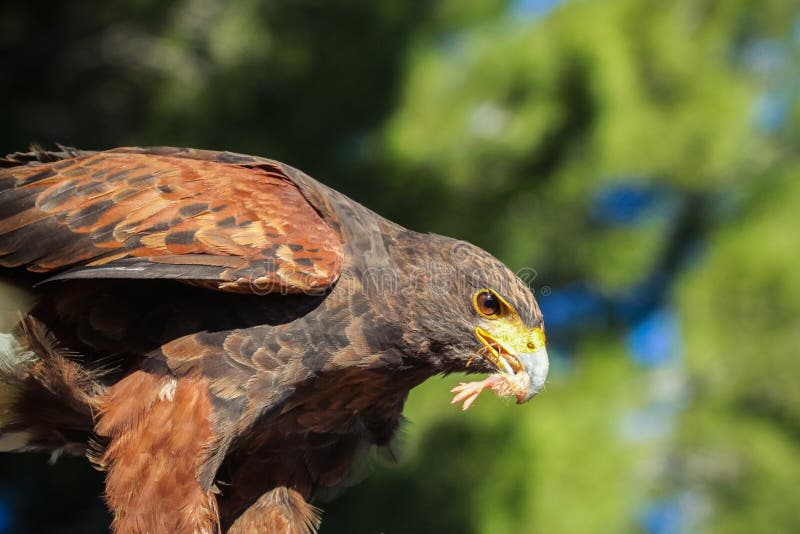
(502, 123)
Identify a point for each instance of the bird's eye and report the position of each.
(487, 303)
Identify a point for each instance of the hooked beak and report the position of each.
(536, 365)
(522, 374)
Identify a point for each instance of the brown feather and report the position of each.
(280, 510)
(158, 431)
(53, 392)
(91, 211)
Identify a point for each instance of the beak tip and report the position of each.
(537, 365)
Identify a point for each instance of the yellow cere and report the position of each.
(537, 338)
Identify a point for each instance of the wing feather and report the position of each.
(223, 221)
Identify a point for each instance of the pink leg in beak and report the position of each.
(468, 391)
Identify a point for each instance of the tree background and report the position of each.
(639, 155)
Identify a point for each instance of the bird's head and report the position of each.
(482, 318)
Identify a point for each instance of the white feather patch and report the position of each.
(167, 392)
(12, 356)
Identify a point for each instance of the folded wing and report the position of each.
(243, 228)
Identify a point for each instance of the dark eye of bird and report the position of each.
(488, 304)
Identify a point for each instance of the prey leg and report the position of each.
(468, 392)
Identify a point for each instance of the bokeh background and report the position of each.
(640, 155)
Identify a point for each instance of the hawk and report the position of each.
(225, 336)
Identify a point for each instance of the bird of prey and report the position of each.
(225, 336)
